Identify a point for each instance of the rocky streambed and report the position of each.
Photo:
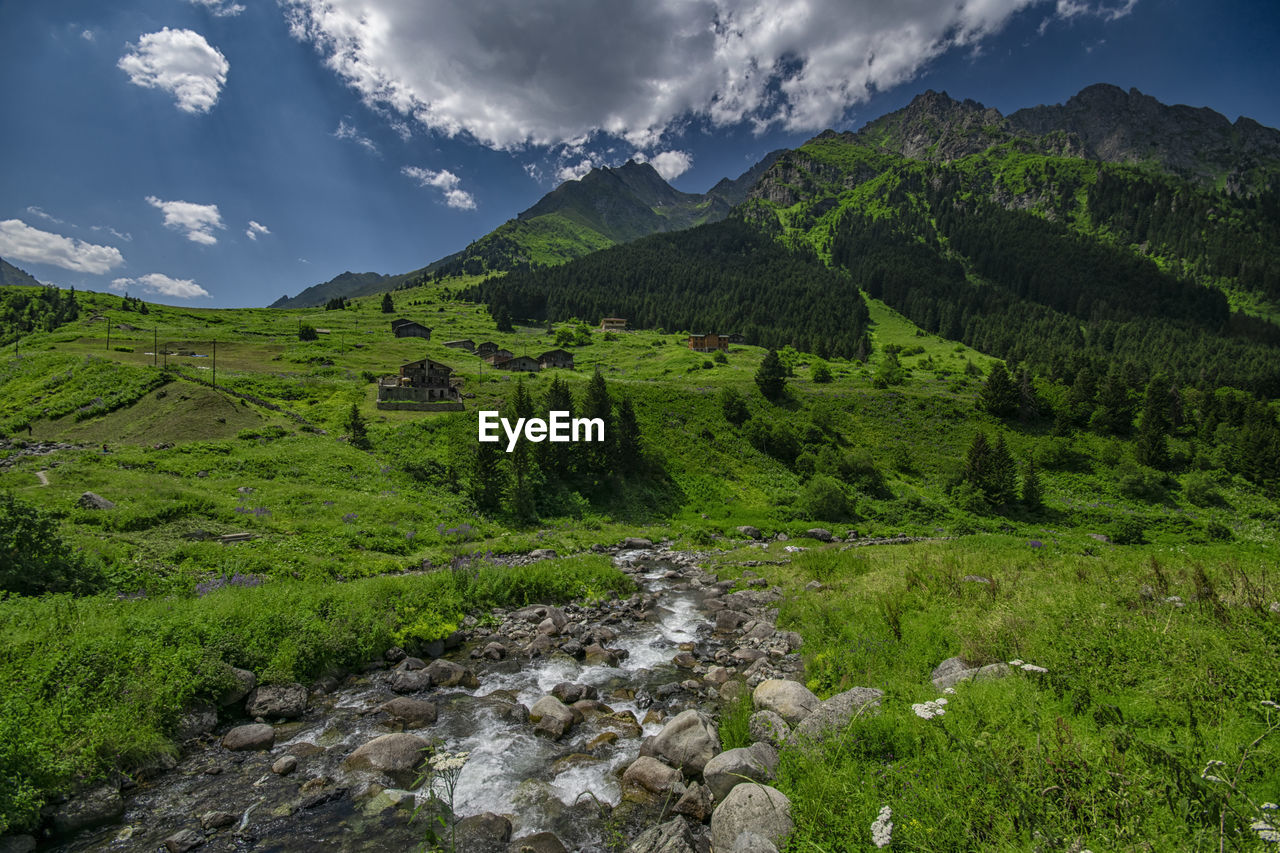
(587, 727)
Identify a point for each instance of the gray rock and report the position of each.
(727, 620)
(732, 691)
(92, 808)
(822, 534)
(976, 579)
(184, 840)
(751, 808)
(670, 837)
(552, 718)
(198, 720)
(277, 700)
(753, 842)
(790, 700)
(217, 820)
(284, 765)
(543, 554)
(694, 802)
(89, 500)
(768, 727)
(633, 543)
(756, 763)
(952, 671)
(814, 586)
(541, 842)
(650, 774)
(446, 673)
(833, 715)
(494, 651)
(411, 712)
(482, 833)
(410, 681)
(251, 736)
(688, 742)
(750, 532)
(387, 799)
(17, 844)
(243, 683)
(396, 755)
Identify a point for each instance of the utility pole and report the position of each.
(108, 333)
(215, 362)
(155, 347)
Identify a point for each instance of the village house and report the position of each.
(556, 358)
(737, 338)
(466, 344)
(403, 328)
(520, 362)
(423, 385)
(498, 355)
(613, 324)
(709, 343)
(486, 347)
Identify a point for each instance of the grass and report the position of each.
(1106, 749)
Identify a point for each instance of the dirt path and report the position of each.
(43, 477)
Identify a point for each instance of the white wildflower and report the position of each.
(929, 710)
(1267, 703)
(940, 701)
(950, 691)
(1269, 807)
(1266, 832)
(882, 828)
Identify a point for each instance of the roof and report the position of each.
(428, 364)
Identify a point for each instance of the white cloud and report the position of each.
(1068, 10)
(576, 171)
(87, 35)
(256, 228)
(219, 8)
(36, 211)
(180, 62)
(20, 242)
(179, 288)
(447, 182)
(119, 235)
(346, 131)
(502, 72)
(197, 220)
(671, 164)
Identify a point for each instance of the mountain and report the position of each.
(11, 276)
(605, 207)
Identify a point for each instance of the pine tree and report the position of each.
(1152, 446)
(1002, 487)
(503, 320)
(999, 396)
(977, 463)
(488, 483)
(1028, 401)
(524, 485)
(771, 376)
(1032, 487)
(556, 459)
(628, 437)
(388, 307)
(357, 430)
(597, 455)
(1114, 413)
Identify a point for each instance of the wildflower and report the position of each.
(929, 710)
(1036, 543)
(882, 828)
(1269, 807)
(950, 691)
(1267, 703)
(1266, 832)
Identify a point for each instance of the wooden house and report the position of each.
(556, 358)
(466, 344)
(423, 385)
(613, 324)
(409, 329)
(520, 363)
(737, 338)
(485, 347)
(498, 355)
(708, 343)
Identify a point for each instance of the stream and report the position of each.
(568, 786)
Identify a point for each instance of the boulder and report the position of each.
(688, 742)
(695, 802)
(410, 681)
(92, 808)
(251, 736)
(790, 700)
(833, 715)
(183, 840)
(543, 554)
(387, 799)
(89, 500)
(753, 842)
(446, 673)
(755, 763)
(541, 842)
(727, 620)
(198, 720)
(952, 671)
(217, 820)
(750, 532)
(17, 844)
(277, 700)
(284, 765)
(568, 692)
(670, 837)
(652, 775)
(822, 534)
(732, 691)
(243, 682)
(482, 833)
(768, 727)
(751, 808)
(494, 651)
(397, 755)
(412, 712)
(634, 543)
(552, 718)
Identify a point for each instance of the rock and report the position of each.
(782, 537)
(761, 630)
(684, 660)
(822, 534)
(181, 842)
(17, 844)
(410, 664)
(747, 655)
(243, 683)
(976, 579)
(954, 670)
(388, 799)
(750, 532)
(688, 742)
(251, 736)
(542, 842)
(217, 820)
(548, 626)
(284, 765)
(751, 808)
(753, 842)
(599, 655)
(633, 543)
(670, 837)
(197, 721)
(92, 808)
(410, 681)
(552, 718)
(395, 654)
(695, 802)
(89, 500)
(412, 712)
(833, 716)
(768, 727)
(732, 691)
(494, 651)
(482, 833)
(568, 692)
(277, 700)
(446, 673)
(814, 586)
(727, 620)
(756, 763)
(397, 755)
(716, 675)
(543, 554)
(1099, 537)
(790, 700)
(652, 775)
(601, 740)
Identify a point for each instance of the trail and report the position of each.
(43, 477)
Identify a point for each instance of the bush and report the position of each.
(1141, 483)
(307, 332)
(1127, 531)
(33, 557)
(1202, 489)
(734, 406)
(824, 498)
(721, 358)
(821, 372)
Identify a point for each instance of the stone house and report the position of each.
(497, 355)
(409, 329)
(520, 362)
(556, 358)
(465, 344)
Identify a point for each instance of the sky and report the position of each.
(221, 153)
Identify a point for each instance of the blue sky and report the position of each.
(224, 153)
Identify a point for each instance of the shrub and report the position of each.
(734, 406)
(307, 332)
(821, 372)
(824, 498)
(33, 557)
(1128, 531)
(1202, 489)
(721, 358)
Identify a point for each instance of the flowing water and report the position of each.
(540, 784)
